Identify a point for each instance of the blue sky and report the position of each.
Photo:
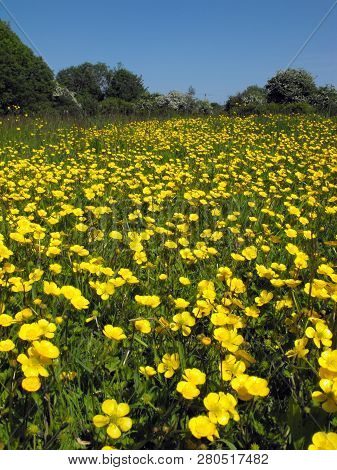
(219, 47)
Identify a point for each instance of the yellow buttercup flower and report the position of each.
(328, 360)
(221, 407)
(301, 260)
(229, 339)
(252, 311)
(299, 350)
(236, 285)
(148, 371)
(181, 303)
(114, 332)
(33, 365)
(46, 349)
(51, 288)
(230, 367)
(30, 332)
(170, 363)
(192, 378)
(319, 334)
(55, 268)
(6, 320)
(201, 426)
(47, 328)
(291, 233)
(115, 235)
(263, 298)
(148, 300)
(249, 253)
(188, 390)
(115, 418)
(79, 302)
(248, 387)
(6, 345)
(183, 321)
(144, 326)
(31, 384)
(328, 396)
(324, 441)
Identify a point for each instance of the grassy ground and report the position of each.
(184, 268)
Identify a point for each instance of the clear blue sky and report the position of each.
(218, 46)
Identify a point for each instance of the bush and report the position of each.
(252, 97)
(245, 110)
(271, 108)
(325, 100)
(298, 108)
(89, 104)
(182, 103)
(116, 106)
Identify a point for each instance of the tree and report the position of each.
(182, 103)
(88, 80)
(325, 100)
(25, 79)
(125, 85)
(291, 86)
(251, 96)
(174, 101)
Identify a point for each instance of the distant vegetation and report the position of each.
(289, 91)
(27, 84)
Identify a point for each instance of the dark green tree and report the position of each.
(125, 85)
(291, 86)
(88, 80)
(26, 80)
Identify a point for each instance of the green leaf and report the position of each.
(295, 423)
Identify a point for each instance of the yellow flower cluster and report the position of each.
(186, 267)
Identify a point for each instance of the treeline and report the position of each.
(27, 84)
(98, 89)
(289, 91)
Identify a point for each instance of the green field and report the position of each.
(168, 284)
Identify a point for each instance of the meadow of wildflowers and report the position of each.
(169, 284)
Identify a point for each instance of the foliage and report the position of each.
(183, 103)
(291, 86)
(202, 107)
(271, 108)
(168, 284)
(325, 100)
(86, 79)
(116, 107)
(253, 97)
(27, 84)
(175, 101)
(125, 85)
(65, 101)
(297, 108)
(25, 80)
(289, 92)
